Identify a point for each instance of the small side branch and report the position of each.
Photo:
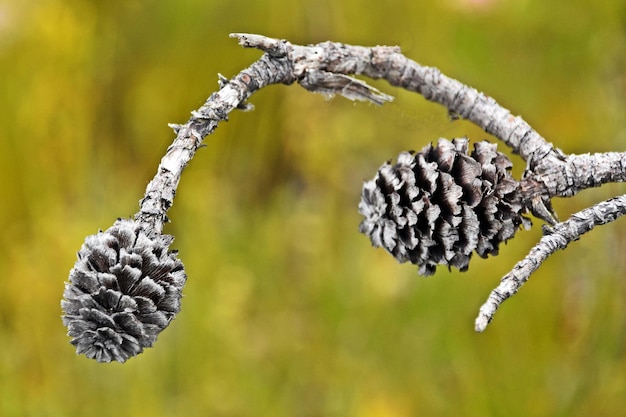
(555, 238)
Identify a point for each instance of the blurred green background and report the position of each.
(288, 311)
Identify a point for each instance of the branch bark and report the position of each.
(160, 192)
(555, 238)
(569, 174)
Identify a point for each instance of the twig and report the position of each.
(233, 93)
(555, 238)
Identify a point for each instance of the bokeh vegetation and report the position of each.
(287, 310)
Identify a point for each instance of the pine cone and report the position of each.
(123, 291)
(436, 206)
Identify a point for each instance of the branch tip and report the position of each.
(222, 81)
(272, 46)
(481, 323)
(175, 127)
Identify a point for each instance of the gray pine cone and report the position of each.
(123, 291)
(436, 206)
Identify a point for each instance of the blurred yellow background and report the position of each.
(288, 311)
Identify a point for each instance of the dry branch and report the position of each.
(112, 265)
(555, 238)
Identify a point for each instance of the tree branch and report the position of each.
(283, 63)
(160, 192)
(388, 63)
(126, 286)
(566, 175)
(555, 238)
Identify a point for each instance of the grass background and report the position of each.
(288, 311)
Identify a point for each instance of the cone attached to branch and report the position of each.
(437, 206)
(123, 291)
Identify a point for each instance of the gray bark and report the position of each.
(555, 238)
